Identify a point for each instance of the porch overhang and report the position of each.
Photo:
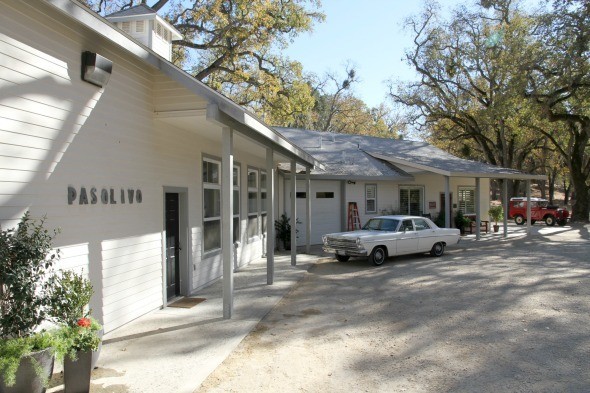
(499, 173)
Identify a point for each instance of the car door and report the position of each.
(407, 242)
(426, 235)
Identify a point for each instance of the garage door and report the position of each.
(325, 210)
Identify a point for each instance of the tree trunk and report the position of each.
(581, 206)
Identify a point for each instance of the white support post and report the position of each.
(506, 207)
(308, 211)
(528, 207)
(270, 217)
(448, 212)
(227, 165)
(477, 209)
(293, 213)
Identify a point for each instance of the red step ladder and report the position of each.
(354, 221)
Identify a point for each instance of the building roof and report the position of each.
(419, 156)
(138, 10)
(340, 157)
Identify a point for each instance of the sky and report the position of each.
(365, 33)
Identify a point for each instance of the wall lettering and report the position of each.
(107, 196)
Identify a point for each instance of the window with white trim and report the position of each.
(411, 200)
(370, 198)
(211, 205)
(252, 203)
(126, 27)
(467, 200)
(263, 200)
(158, 29)
(236, 175)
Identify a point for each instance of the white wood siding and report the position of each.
(58, 131)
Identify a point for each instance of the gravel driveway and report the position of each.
(489, 316)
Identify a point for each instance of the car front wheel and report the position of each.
(550, 221)
(342, 258)
(519, 220)
(561, 222)
(378, 256)
(437, 249)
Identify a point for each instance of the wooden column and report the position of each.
(270, 217)
(227, 248)
(293, 213)
(308, 211)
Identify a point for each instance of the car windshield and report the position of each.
(381, 224)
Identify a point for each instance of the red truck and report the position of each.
(540, 210)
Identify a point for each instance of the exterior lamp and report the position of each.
(96, 69)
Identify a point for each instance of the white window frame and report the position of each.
(212, 186)
(367, 198)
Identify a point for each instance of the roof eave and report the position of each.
(102, 27)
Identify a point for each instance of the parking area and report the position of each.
(491, 315)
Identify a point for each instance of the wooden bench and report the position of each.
(482, 227)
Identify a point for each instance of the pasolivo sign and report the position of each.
(106, 196)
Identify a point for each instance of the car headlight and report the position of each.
(358, 243)
(325, 240)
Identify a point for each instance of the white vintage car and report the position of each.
(386, 236)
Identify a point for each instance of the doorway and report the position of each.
(172, 219)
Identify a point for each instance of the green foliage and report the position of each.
(13, 350)
(26, 278)
(440, 220)
(69, 298)
(80, 336)
(461, 221)
(496, 213)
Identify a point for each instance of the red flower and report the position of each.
(84, 322)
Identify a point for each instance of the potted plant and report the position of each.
(283, 231)
(74, 345)
(496, 213)
(461, 221)
(79, 336)
(26, 279)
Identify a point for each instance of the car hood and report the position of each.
(357, 234)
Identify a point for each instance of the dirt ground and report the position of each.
(489, 316)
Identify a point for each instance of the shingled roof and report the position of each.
(361, 155)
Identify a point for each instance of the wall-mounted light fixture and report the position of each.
(96, 69)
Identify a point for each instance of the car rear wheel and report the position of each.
(378, 256)
(342, 258)
(519, 220)
(550, 221)
(437, 249)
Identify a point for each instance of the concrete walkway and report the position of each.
(175, 349)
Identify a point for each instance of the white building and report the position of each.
(137, 173)
(160, 185)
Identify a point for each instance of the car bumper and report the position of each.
(350, 253)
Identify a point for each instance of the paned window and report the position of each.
(371, 198)
(263, 200)
(467, 200)
(236, 182)
(126, 27)
(411, 200)
(211, 205)
(252, 203)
